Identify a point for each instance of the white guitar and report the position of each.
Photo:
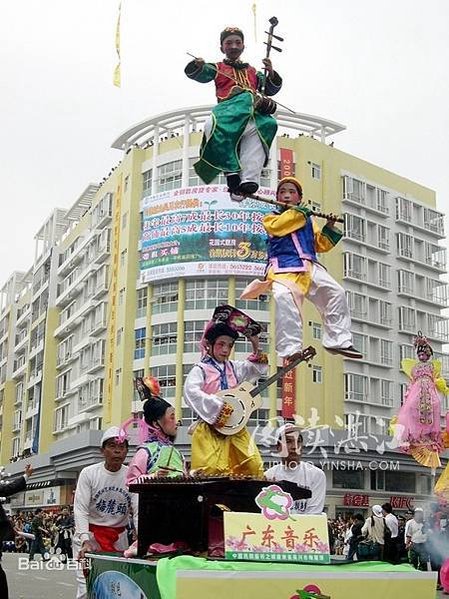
(246, 398)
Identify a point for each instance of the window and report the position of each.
(202, 293)
(407, 319)
(406, 282)
(118, 375)
(262, 303)
(164, 338)
(401, 482)
(386, 352)
(436, 291)
(139, 343)
(121, 296)
(435, 256)
(357, 305)
(404, 245)
(437, 327)
(357, 424)
(355, 227)
(119, 335)
(193, 332)
(124, 220)
(265, 176)
(383, 237)
(126, 183)
(360, 343)
(19, 392)
(385, 313)
(61, 418)
(317, 330)
(317, 374)
(166, 375)
(406, 351)
(354, 190)
(348, 479)
(194, 180)
(243, 345)
(147, 180)
(433, 221)
(381, 201)
(169, 176)
(404, 210)
(315, 170)
(142, 299)
(356, 387)
(165, 298)
(384, 275)
(386, 392)
(354, 266)
(63, 384)
(123, 257)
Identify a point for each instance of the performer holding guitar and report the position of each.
(213, 452)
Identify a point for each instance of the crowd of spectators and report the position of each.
(52, 530)
(419, 538)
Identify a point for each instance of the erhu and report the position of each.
(264, 104)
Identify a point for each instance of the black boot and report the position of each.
(248, 187)
(233, 182)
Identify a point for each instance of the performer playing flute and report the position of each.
(238, 135)
(213, 452)
(294, 273)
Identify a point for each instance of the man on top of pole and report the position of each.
(238, 135)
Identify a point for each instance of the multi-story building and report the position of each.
(111, 296)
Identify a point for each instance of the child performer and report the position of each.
(157, 456)
(418, 424)
(238, 135)
(294, 273)
(213, 452)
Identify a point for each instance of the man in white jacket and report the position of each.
(293, 469)
(103, 504)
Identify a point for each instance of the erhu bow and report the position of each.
(328, 216)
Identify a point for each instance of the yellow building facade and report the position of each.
(98, 321)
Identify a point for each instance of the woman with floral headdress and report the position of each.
(212, 452)
(157, 456)
(418, 424)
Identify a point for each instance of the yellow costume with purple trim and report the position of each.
(294, 273)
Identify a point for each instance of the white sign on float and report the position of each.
(200, 231)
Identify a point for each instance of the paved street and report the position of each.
(49, 583)
(37, 584)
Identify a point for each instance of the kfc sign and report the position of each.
(401, 503)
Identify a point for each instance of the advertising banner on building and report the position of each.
(200, 231)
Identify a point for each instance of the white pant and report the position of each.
(251, 151)
(329, 299)
(81, 593)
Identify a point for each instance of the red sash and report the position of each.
(106, 536)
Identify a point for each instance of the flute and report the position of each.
(337, 219)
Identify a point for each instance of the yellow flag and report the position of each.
(117, 74)
(254, 9)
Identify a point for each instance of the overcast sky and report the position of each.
(380, 67)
